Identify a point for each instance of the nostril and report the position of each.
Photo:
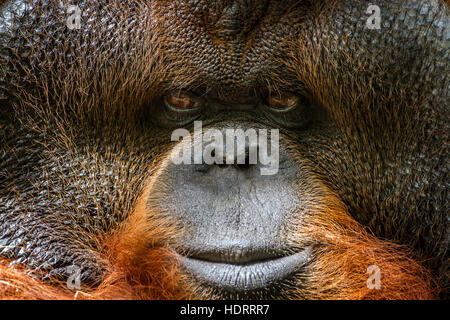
(238, 162)
(240, 159)
(243, 166)
(246, 157)
(239, 152)
(224, 160)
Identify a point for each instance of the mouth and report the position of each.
(243, 270)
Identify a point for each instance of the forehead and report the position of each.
(232, 45)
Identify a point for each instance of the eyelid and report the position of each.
(172, 116)
(287, 109)
(298, 114)
(175, 109)
(278, 106)
(193, 103)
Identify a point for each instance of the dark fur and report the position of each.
(78, 147)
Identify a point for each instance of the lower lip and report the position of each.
(249, 276)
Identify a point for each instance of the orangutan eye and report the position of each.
(181, 108)
(182, 101)
(282, 102)
(288, 110)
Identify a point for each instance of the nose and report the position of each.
(228, 148)
(209, 150)
(221, 202)
(241, 154)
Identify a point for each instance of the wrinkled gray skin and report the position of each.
(386, 158)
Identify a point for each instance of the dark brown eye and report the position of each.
(282, 101)
(183, 101)
(180, 109)
(288, 110)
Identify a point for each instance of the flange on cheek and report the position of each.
(142, 251)
(335, 236)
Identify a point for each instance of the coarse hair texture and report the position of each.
(339, 269)
(138, 263)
